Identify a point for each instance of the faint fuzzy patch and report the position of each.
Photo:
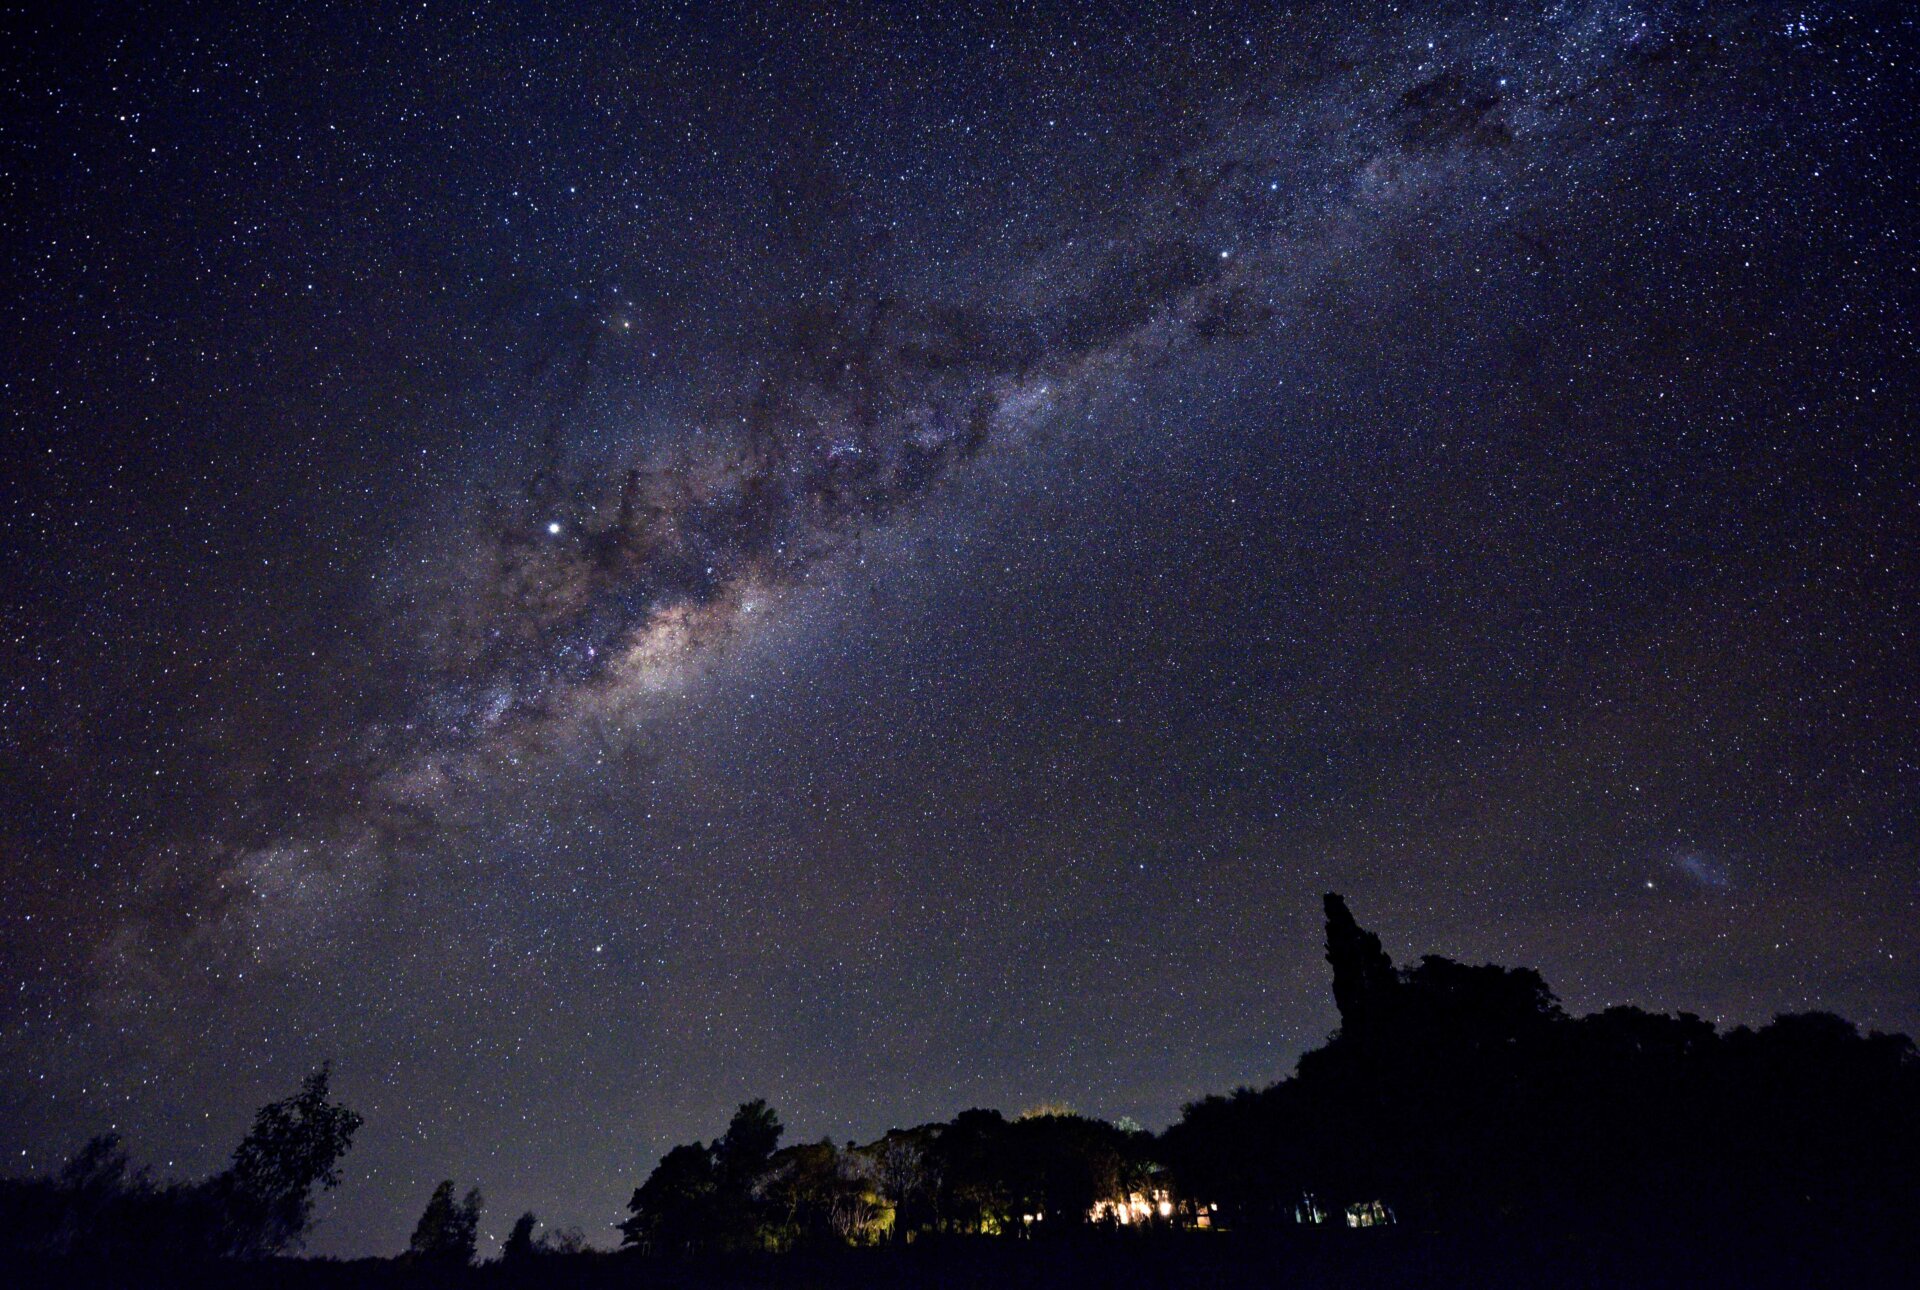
(1701, 869)
(262, 909)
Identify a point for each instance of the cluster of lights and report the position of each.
(1135, 1208)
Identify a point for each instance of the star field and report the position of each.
(589, 565)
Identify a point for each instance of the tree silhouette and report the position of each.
(907, 1177)
(672, 1211)
(519, 1246)
(1463, 1097)
(1363, 977)
(974, 1193)
(294, 1146)
(562, 1240)
(447, 1231)
(740, 1157)
(814, 1193)
(741, 1154)
(1454, 1099)
(98, 1208)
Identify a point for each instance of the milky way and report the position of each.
(882, 566)
(848, 410)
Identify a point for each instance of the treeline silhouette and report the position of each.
(1465, 1094)
(99, 1209)
(1458, 1112)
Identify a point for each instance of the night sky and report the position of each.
(591, 563)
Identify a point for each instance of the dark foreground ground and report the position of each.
(1386, 1258)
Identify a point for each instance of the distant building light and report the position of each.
(1371, 1213)
(1133, 1208)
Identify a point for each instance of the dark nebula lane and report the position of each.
(589, 566)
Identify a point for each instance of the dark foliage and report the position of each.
(1489, 1137)
(265, 1198)
(448, 1231)
(1452, 1098)
(519, 1245)
(706, 1199)
(99, 1209)
(1459, 1095)
(672, 1210)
